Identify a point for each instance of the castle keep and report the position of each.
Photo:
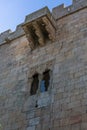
(43, 71)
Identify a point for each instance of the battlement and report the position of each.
(61, 11)
(57, 13)
(8, 35)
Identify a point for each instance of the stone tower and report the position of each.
(43, 71)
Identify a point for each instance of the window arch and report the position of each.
(45, 81)
(35, 84)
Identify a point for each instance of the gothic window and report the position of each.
(34, 85)
(45, 81)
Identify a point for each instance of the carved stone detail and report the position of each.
(29, 37)
(38, 33)
(41, 68)
(49, 27)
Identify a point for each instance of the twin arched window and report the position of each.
(42, 84)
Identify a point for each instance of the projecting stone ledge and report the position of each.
(39, 28)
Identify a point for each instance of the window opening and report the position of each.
(34, 85)
(45, 81)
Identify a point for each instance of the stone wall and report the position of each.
(64, 105)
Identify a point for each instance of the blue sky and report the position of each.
(13, 12)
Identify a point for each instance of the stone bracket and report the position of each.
(39, 30)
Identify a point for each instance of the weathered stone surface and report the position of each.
(64, 105)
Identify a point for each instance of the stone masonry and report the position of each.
(52, 45)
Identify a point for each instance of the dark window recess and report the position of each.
(45, 81)
(34, 85)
